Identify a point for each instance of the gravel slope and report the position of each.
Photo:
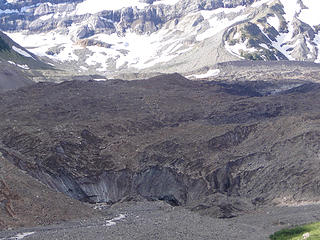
(157, 220)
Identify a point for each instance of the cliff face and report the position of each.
(166, 138)
(31, 15)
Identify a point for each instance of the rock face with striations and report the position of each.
(166, 138)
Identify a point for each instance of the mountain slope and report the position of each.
(281, 30)
(162, 36)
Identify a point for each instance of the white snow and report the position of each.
(23, 66)
(310, 15)
(210, 73)
(100, 79)
(45, 41)
(260, 3)
(264, 45)
(134, 50)
(95, 6)
(21, 52)
(238, 48)
(114, 220)
(311, 49)
(237, 35)
(143, 51)
(291, 7)
(280, 40)
(83, 68)
(283, 48)
(138, 51)
(22, 235)
(208, 14)
(317, 42)
(46, 17)
(274, 22)
(285, 41)
(216, 23)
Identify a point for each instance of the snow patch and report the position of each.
(130, 50)
(100, 79)
(291, 8)
(46, 41)
(264, 45)
(260, 3)
(21, 52)
(317, 42)
(280, 42)
(274, 22)
(311, 14)
(83, 68)
(23, 235)
(238, 48)
(20, 236)
(280, 45)
(45, 17)
(217, 24)
(23, 66)
(210, 73)
(114, 221)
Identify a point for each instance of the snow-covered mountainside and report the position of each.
(282, 29)
(188, 36)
